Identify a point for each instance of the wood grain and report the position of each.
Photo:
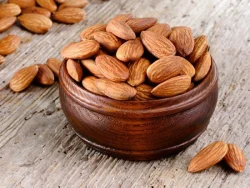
(37, 147)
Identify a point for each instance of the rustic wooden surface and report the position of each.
(38, 147)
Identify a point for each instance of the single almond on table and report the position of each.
(23, 78)
(9, 44)
(80, 50)
(143, 93)
(91, 66)
(47, 4)
(131, 50)
(44, 75)
(165, 68)
(35, 23)
(54, 64)
(2, 59)
(114, 90)
(235, 158)
(182, 38)
(74, 69)
(89, 83)
(161, 29)
(88, 32)
(121, 29)
(36, 10)
(172, 87)
(157, 44)
(6, 23)
(69, 15)
(202, 67)
(112, 68)
(23, 3)
(9, 10)
(123, 17)
(208, 156)
(141, 24)
(200, 47)
(73, 3)
(188, 68)
(137, 71)
(107, 40)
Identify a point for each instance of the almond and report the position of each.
(100, 52)
(54, 64)
(47, 4)
(182, 38)
(173, 86)
(44, 75)
(131, 50)
(74, 69)
(191, 86)
(208, 156)
(36, 10)
(6, 23)
(89, 83)
(112, 68)
(69, 15)
(80, 50)
(35, 23)
(114, 90)
(202, 67)
(107, 40)
(165, 68)
(123, 17)
(157, 44)
(23, 78)
(73, 3)
(141, 24)
(9, 10)
(88, 33)
(91, 66)
(2, 59)
(235, 158)
(120, 29)
(23, 3)
(188, 68)
(161, 29)
(143, 92)
(200, 47)
(60, 1)
(137, 72)
(9, 44)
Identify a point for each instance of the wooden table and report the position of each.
(38, 147)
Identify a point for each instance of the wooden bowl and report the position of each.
(139, 130)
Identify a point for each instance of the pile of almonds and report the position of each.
(137, 58)
(214, 153)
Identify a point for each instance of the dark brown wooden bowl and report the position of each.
(139, 130)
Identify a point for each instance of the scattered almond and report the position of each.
(89, 83)
(202, 66)
(235, 158)
(44, 75)
(161, 29)
(9, 44)
(131, 50)
(121, 29)
(114, 90)
(6, 23)
(208, 156)
(137, 71)
(74, 69)
(23, 3)
(36, 10)
(47, 4)
(73, 3)
(173, 86)
(91, 66)
(35, 23)
(158, 45)
(9, 10)
(80, 50)
(69, 15)
(143, 93)
(54, 64)
(23, 78)
(88, 33)
(141, 24)
(200, 47)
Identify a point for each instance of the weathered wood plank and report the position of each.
(38, 148)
